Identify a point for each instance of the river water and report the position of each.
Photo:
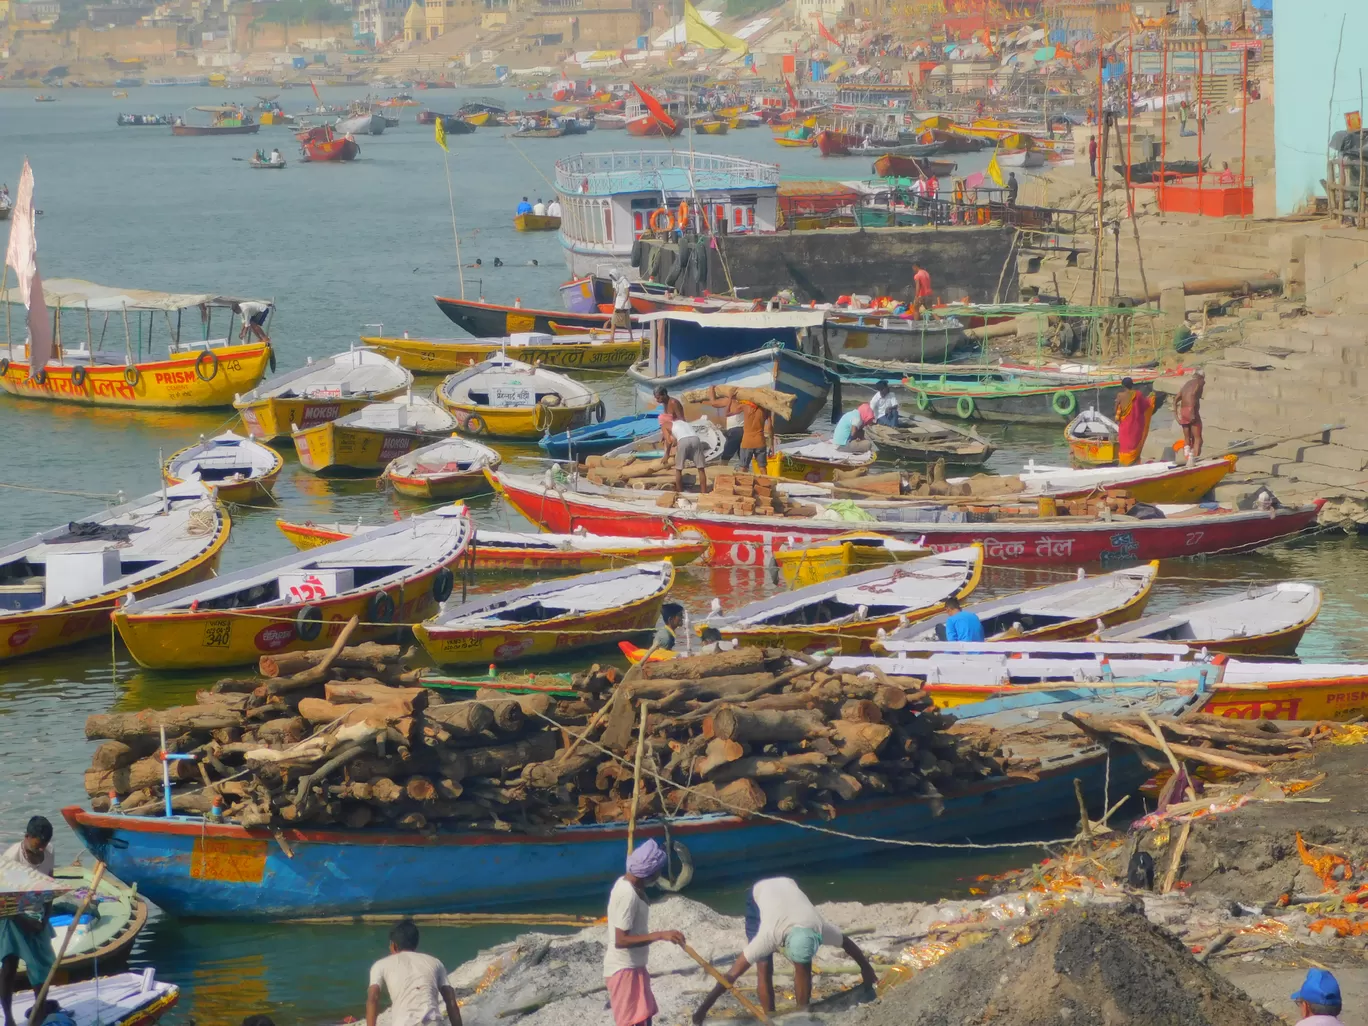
(339, 248)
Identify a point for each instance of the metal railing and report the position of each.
(598, 173)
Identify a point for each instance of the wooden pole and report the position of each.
(41, 996)
(1163, 120)
(636, 778)
(712, 971)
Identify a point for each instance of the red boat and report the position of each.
(833, 142)
(321, 143)
(647, 116)
(748, 541)
(648, 124)
(953, 142)
(892, 166)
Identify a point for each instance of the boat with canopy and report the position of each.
(452, 468)
(227, 119)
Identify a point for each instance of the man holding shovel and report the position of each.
(624, 956)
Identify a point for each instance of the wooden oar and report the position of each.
(41, 996)
(712, 971)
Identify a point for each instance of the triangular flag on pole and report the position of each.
(994, 171)
(700, 33)
(657, 111)
(440, 132)
(826, 34)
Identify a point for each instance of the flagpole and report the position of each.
(451, 198)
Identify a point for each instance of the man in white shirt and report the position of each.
(539, 208)
(779, 917)
(254, 319)
(682, 439)
(553, 209)
(885, 405)
(622, 306)
(275, 155)
(625, 953)
(417, 983)
(25, 936)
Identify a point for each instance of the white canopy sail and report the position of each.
(22, 255)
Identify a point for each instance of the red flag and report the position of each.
(657, 111)
(792, 99)
(822, 30)
(315, 91)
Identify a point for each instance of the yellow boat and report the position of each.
(536, 223)
(712, 127)
(60, 587)
(1155, 482)
(1091, 438)
(503, 398)
(784, 140)
(479, 118)
(232, 468)
(815, 460)
(365, 442)
(452, 468)
(201, 374)
(396, 574)
(842, 556)
(1260, 621)
(848, 613)
(320, 391)
(550, 617)
(578, 351)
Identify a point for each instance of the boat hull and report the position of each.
(792, 467)
(780, 369)
(486, 320)
(918, 341)
(1095, 453)
(215, 130)
(749, 541)
(275, 420)
(190, 868)
(173, 383)
(1180, 485)
(524, 423)
(594, 441)
(441, 487)
(346, 450)
(427, 356)
(536, 223)
(1022, 402)
(256, 489)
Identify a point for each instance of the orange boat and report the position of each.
(323, 144)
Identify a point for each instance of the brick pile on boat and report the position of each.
(352, 738)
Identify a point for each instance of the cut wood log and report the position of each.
(116, 754)
(763, 767)
(385, 791)
(370, 690)
(778, 403)
(287, 730)
(855, 737)
(730, 686)
(862, 710)
(145, 773)
(502, 760)
(372, 714)
(317, 673)
(420, 789)
(718, 664)
(145, 725)
(364, 656)
(533, 706)
(719, 752)
(739, 724)
(507, 713)
(462, 719)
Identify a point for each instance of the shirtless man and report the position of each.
(1188, 404)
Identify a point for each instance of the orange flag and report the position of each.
(657, 111)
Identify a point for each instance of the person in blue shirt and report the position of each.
(961, 626)
(850, 428)
(524, 207)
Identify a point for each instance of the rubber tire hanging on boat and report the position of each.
(41, 377)
(1070, 403)
(964, 406)
(309, 623)
(600, 412)
(381, 608)
(4, 368)
(132, 375)
(78, 376)
(270, 357)
(213, 364)
(475, 425)
(923, 400)
(442, 584)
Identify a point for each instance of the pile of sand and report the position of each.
(1081, 967)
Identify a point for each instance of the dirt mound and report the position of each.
(1080, 967)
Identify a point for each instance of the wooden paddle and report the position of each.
(713, 971)
(34, 1012)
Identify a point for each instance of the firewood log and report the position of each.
(114, 755)
(719, 752)
(288, 730)
(370, 690)
(719, 664)
(862, 710)
(854, 738)
(145, 773)
(738, 797)
(420, 789)
(500, 760)
(768, 766)
(507, 713)
(364, 656)
(371, 714)
(739, 724)
(619, 810)
(462, 719)
(178, 720)
(385, 791)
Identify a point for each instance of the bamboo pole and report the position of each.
(451, 919)
(712, 971)
(636, 777)
(35, 1016)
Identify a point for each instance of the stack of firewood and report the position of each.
(741, 495)
(352, 738)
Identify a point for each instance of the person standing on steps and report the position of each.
(1092, 156)
(1133, 412)
(625, 954)
(1188, 404)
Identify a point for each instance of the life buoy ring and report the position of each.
(442, 584)
(78, 376)
(132, 375)
(600, 412)
(964, 406)
(923, 400)
(475, 424)
(1064, 403)
(309, 623)
(270, 358)
(381, 608)
(682, 215)
(655, 222)
(213, 365)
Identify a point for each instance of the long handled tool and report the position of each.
(34, 1013)
(712, 971)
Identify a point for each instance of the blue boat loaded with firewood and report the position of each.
(192, 867)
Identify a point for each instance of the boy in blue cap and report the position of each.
(1318, 998)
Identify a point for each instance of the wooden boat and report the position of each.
(1261, 620)
(540, 132)
(322, 144)
(320, 391)
(1156, 482)
(896, 147)
(1147, 172)
(551, 617)
(143, 120)
(452, 124)
(595, 439)
(365, 442)
(850, 612)
(814, 459)
(122, 999)
(804, 563)
(651, 445)
(105, 935)
(232, 468)
(364, 123)
(489, 320)
(1019, 399)
(477, 119)
(60, 585)
(1091, 438)
(450, 469)
(875, 337)
(925, 440)
(1059, 611)
(892, 166)
(266, 165)
(396, 574)
(505, 398)
(578, 351)
(749, 541)
(44, 98)
(536, 223)
(228, 120)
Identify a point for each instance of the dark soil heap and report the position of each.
(1081, 967)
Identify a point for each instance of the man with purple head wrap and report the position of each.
(624, 957)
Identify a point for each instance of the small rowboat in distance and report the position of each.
(846, 554)
(1267, 621)
(596, 439)
(396, 574)
(1056, 612)
(124, 999)
(450, 469)
(814, 459)
(266, 165)
(363, 443)
(59, 586)
(536, 223)
(579, 350)
(1091, 438)
(849, 612)
(505, 398)
(232, 468)
(552, 617)
(926, 440)
(320, 391)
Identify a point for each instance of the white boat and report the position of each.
(825, 452)
(650, 446)
(1261, 620)
(124, 999)
(321, 390)
(1021, 158)
(360, 124)
(233, 468)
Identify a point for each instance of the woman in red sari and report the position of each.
(1133, 412)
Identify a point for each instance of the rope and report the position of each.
(59, 491)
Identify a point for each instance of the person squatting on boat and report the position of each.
(24, 936)
(626, 952)
(884, 404)
(780, 917)
(849, 433)
(417, 983)
(1133, 412)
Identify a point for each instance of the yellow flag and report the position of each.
(699, 32)
(440, 132)
(994, 171)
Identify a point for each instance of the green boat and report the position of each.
(882, 217)
(108, 929)
(1021, 401)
